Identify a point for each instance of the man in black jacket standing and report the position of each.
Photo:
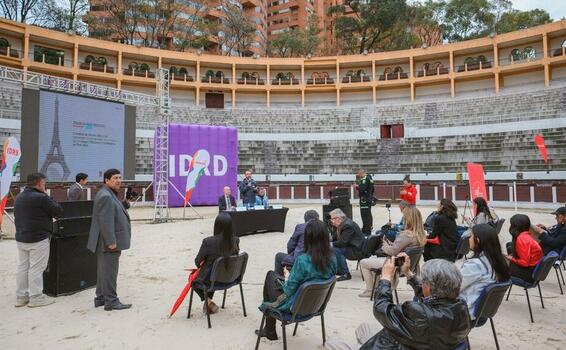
(349, 242)
(365, 191)
(248, 189)
(34, 211)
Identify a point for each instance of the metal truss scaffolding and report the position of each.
(161, 150)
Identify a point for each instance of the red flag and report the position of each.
(539, 140)
(477, 181)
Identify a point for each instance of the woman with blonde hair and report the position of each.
(412, 236)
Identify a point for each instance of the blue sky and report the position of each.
(556, 8)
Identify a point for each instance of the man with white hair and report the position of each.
(226, 201)
(349, 242)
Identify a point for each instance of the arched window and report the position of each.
(246, 75)
(219, 74)
(515, 55)
(254, 75)
(482, 59)
(438, 65)
(144, 67)
(314, 75)
(173, 70)
(360, 73)
(88, 59)
(398, 69)
(133, 66)
(469, 61)
(101, 61)
(529, 53)
(280, 75)
(290, 75)
(349, 73)
(387, 71)
(426, 66)
(183, 71)
(564, 43)
(209, 73)
(4, 42)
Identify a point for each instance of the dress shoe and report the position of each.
(344, 277)
(117, 306)
(98, 302)
(271, 335)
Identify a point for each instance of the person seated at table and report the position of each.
(394, 229)
(487, 266)
(523, 251)
(442, 242)
(435, 319)
(412, 236)
(261, 198)
(226, 201)
(295, 245)
(222, 244)
(348, 242)
(483, 215)
(554, 238)
(317, 263)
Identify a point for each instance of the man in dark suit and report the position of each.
(110, 233)
(348, 243)
(226, 201)
(76, 192)
(248, 189)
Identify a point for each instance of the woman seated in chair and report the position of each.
(487, 266)
(222, 244)
(317, 263)
(523, 251)
(442, 242)
(483, 215)
(412, 236)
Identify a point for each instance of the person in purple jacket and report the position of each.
(295, 245)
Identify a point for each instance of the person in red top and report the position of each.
(524, 252)
(409, 191)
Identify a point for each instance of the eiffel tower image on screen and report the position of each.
(55, 155)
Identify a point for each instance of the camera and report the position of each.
(399, 261)
(388, 205)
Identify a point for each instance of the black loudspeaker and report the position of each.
(327, 208)
(72, 227)
(340, 197)
(71, 266)
(75, 209)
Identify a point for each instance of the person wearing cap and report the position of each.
(554, 238)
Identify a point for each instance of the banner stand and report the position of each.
(189, 203)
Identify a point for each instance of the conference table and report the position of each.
(256, 221)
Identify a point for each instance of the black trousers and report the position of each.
(524, 273)
(271, 291)
(367, 220)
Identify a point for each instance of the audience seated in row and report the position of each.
(444, 238)
(222, 244)
(317, 263)
(412, 236)
(295, 245)
(554, 238)
(523, 251)
(348, 242)
(483, 215)
(488, 265)
(436, 319)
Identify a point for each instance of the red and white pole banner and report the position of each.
(10, 157)
(539, 140)
(477, 181)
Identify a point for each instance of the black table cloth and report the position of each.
(253, 221)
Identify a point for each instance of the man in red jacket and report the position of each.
(409, 191)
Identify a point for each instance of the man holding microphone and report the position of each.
(248, 189)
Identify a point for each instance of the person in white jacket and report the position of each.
(487, 266)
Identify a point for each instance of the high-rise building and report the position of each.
(180, 27)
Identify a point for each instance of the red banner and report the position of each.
(477, 181)
(539, 140)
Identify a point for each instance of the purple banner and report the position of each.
(202, 160)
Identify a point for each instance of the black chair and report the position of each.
(499, 225)
(226, 273)
(539, 274)
(373, 243)
(310, 301)
(557, 263)
(487, 306)
(463, 247)
(415, 257)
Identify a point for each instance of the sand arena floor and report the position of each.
(151, 277)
